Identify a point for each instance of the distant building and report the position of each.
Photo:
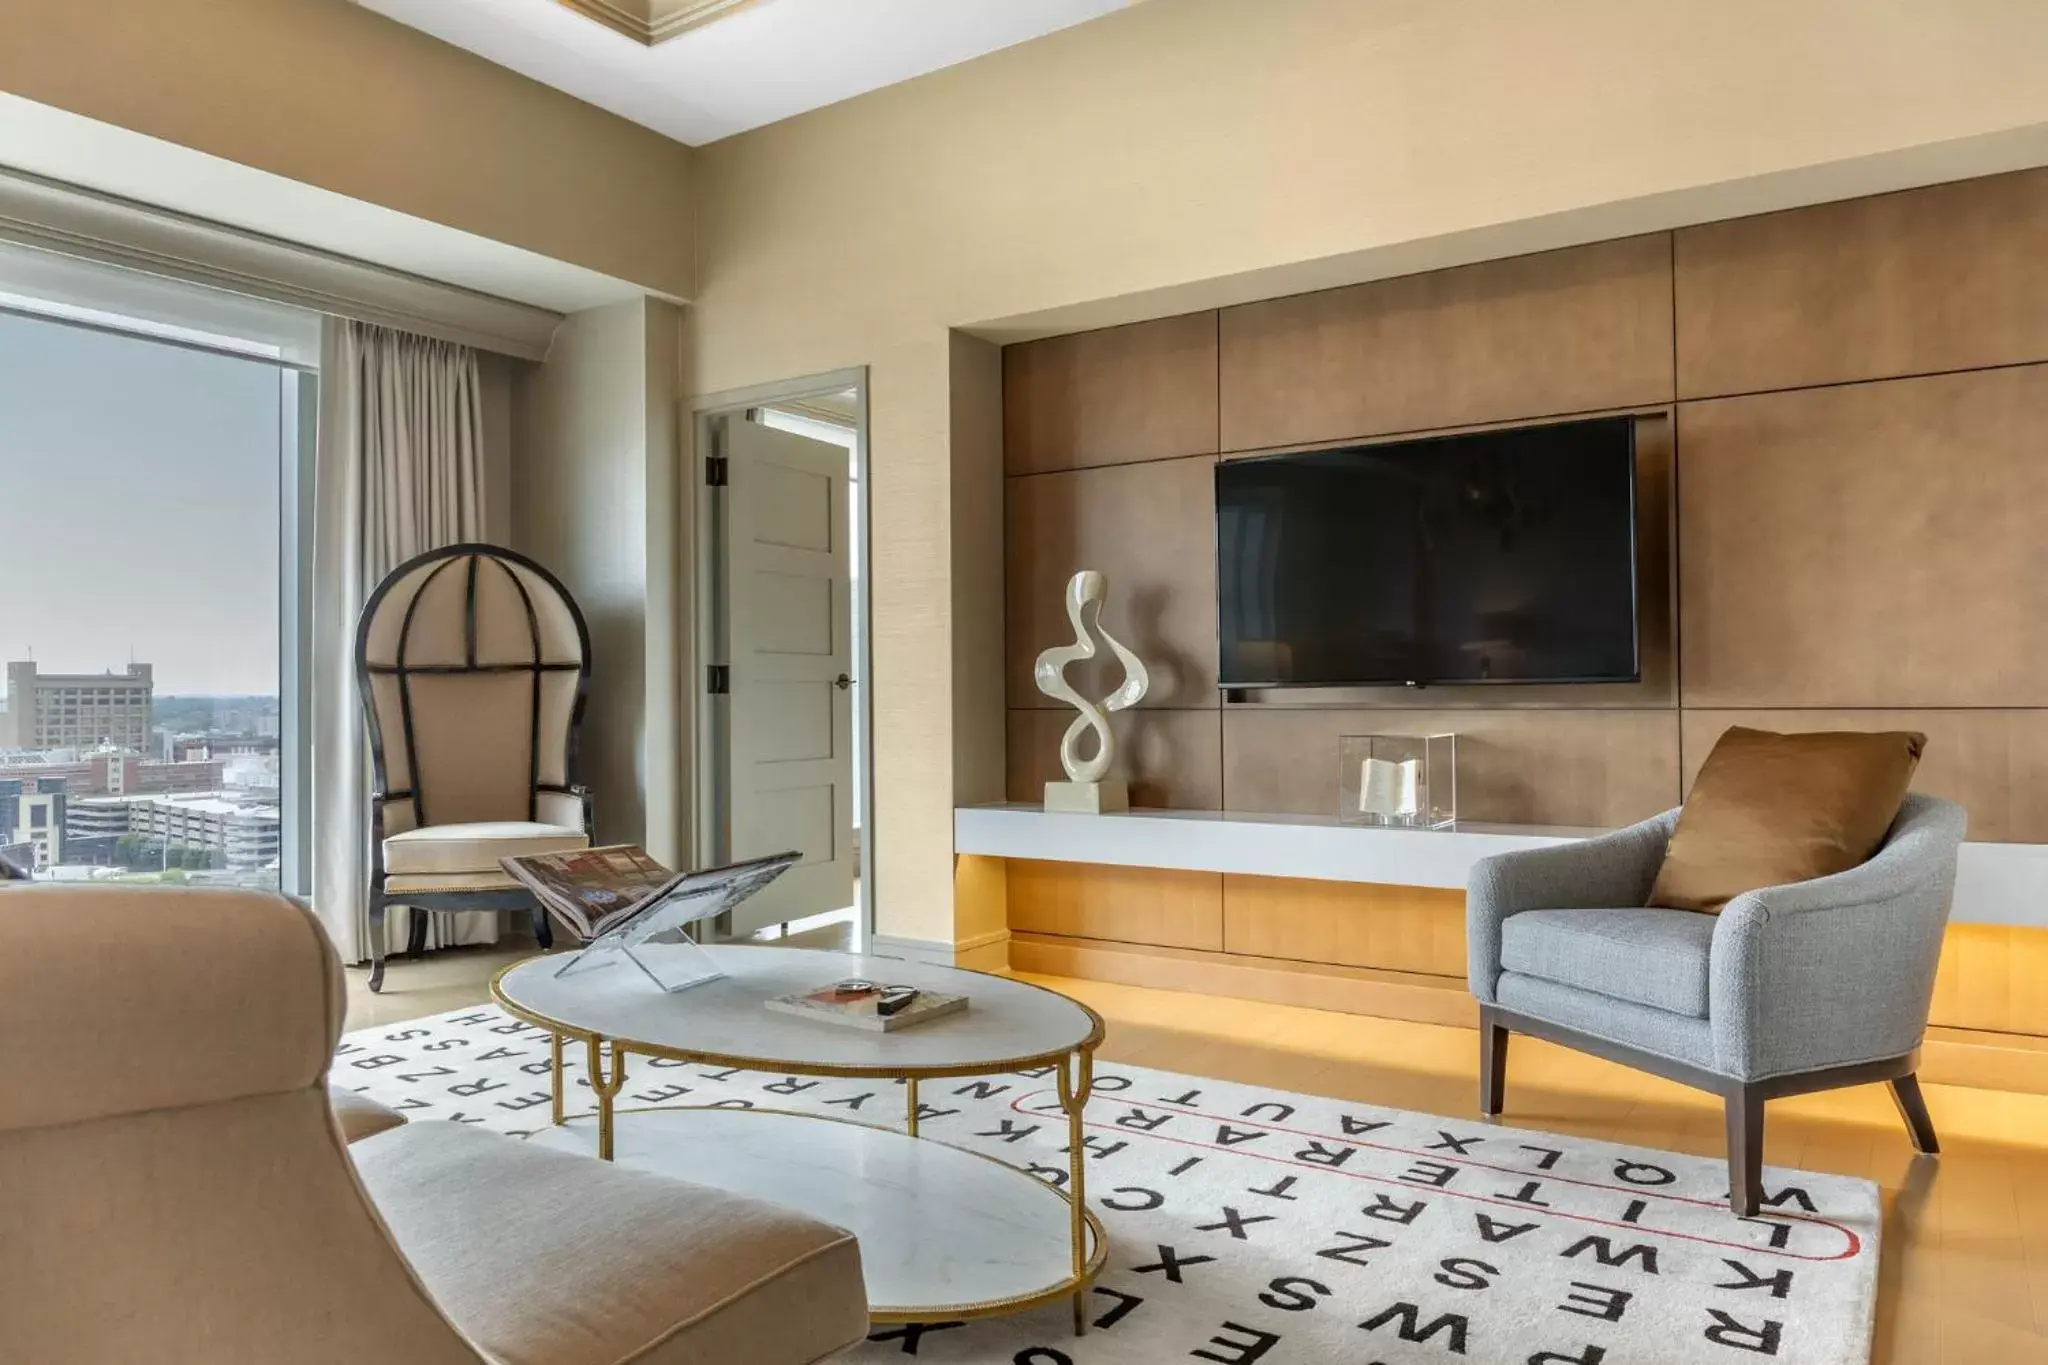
(242, 837)
(112, 774)
(192, 748)
(32, 812)
(78, 710)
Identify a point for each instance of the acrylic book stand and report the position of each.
(660, 938)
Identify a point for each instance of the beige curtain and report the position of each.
(399, 471)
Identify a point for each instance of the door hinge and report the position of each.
(715, 471)
(718, 680)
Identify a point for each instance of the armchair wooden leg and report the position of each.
(377, 908)
(1745, 1151)
(1493, 1065)
(543, 932)
(1913, 1109)
(416, 931)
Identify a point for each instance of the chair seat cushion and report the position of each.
(545, 1258)
(1647, 957)
(441, 849)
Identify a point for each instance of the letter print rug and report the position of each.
(1258, 1227)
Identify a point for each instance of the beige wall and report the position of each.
(594, 459)
(1187, 153)
(333, 95)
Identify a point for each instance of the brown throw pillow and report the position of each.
(1770, 809)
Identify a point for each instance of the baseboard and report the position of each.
(1988, 1061)
(988, 952)
(914, 949)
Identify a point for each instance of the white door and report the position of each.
(789, 629)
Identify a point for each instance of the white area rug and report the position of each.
(1258, 1227)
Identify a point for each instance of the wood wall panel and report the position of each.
(1151, 528)
(1561, 332)
(1860, 493)
(1367, 949)
(1171, 759)
(1124, 904)
(1520, 767)
(1994, 977)
(1867, 545)
(1142, 392)
(1315, 986)
(1993, 762)
(1943, 278)
(1396, 928)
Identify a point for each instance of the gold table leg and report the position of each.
(606, 1087)
(910, 1118)
(1074, 1093)
(555, 1077)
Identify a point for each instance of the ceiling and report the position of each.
(737, 66)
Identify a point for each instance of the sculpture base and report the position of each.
(1087, 798)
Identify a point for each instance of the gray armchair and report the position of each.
(1789, 989)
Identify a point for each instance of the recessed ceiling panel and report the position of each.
(700, 70)
(653, 21)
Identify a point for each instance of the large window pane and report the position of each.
(140, 482)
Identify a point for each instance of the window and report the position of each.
(149, 514)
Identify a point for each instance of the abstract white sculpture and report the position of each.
(1085, 790)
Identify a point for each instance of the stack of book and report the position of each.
(869, 1005)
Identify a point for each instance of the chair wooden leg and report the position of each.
(1745, 1151)
(377, 908)
(1493, 1065)
(543, 932)
(1913, 1109)
(416, 931)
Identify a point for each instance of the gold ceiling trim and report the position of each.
(654, 21)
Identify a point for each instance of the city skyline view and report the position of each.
(139, 487)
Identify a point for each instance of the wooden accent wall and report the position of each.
(1843, 497)
(1844, 524)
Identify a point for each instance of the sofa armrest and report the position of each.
(359, 1116)
(1839, 969)
(1612, 870)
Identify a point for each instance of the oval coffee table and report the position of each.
(945, 1233)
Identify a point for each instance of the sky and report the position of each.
(138, 508)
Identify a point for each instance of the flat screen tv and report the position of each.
(1493, 557)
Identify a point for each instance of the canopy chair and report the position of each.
(472, 662)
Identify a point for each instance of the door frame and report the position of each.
(707, 416)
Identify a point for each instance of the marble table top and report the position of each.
(1007, 1023)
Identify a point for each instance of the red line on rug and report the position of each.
(1855, 1242)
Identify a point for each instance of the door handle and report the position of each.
(842, 682)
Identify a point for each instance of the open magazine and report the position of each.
(597, 891)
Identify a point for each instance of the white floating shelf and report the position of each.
(1995, 883)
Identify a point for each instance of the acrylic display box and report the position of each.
(1405, 781)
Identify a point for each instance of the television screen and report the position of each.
(1492, 557)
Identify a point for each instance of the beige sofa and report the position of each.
(359, 1116)
(174, 1185)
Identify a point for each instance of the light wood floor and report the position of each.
(1964, 1271)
